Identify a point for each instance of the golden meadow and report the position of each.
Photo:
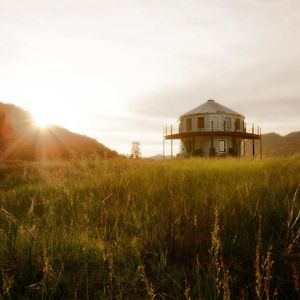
(145, 229)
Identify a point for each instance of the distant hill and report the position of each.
(160, 156)
(275, 144)
(21, 139)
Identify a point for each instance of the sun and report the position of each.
(48, 116)
(42, 120)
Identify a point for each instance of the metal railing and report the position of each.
(254, 129)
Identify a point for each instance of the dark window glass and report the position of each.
(189, 124)
(238, 124)
(200, 122)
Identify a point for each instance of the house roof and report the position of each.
(211, 107)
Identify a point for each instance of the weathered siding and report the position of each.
(208, 122)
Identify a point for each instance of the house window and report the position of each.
(238, 124)
(227, 123)
(200, 122)
(222, 146)
(243, 124)
(189, 124)
(215, 122)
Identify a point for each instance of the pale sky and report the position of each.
(120, 70)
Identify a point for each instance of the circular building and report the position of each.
(212, 129)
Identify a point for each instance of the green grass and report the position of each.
(175, 229)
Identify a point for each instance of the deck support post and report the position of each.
(171, 142)
(244, 145)
(211, 152)
(260, 143)
(193, 145)
(253, 145)
(163, 143)
(171, 147)
(235, 151)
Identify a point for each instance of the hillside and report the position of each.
(21, 139)
(275, 144)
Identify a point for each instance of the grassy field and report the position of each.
(175, 229)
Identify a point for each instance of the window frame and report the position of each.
(238, 124)
(189, 124)
(226, 124)
(200, 121)
(224, 143)
(217, 122)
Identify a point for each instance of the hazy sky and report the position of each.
(121, 70)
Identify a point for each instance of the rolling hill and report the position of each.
(21, 139)
(276, 145)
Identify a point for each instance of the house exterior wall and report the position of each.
(208, 122)
(201, 145)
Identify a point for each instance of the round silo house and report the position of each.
(212, 129)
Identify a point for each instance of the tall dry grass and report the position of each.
(176, 229)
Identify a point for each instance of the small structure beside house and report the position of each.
(212, 129)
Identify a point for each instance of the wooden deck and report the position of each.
(239, 134)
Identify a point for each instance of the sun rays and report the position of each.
(41, 122)
(26, 136)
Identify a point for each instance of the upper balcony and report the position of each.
(241, 130)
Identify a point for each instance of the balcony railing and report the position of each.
(246, 128)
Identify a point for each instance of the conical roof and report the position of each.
(211, 107)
